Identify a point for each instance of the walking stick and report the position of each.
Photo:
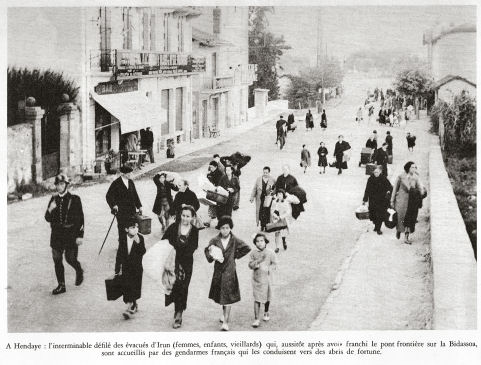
(105, 239)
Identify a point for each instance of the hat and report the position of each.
(260, 234)
(125, 169)
(213, 163)
(62, 178)
(131, 221)
(225, 220)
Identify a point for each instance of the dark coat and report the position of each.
(163, 190)
(389, 144)
(290, 119)
(371, 143)
(323, 120)
(184, 261)
(126, 199)
(67, 223)
(279, 125)
(187, 197)
(149, 139)
(286, 182)
(322, 153)
(301, 195)
(377, 192)
(411, 141)
(226, 209)
(415, 202)
(339, 153)
(224, 288)
(380, 158)
(131, 266)
(215, 176)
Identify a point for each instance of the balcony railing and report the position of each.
(137, 63)
(248, 73)
(217, 82)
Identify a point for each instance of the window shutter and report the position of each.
(152, 32)
(216, 16)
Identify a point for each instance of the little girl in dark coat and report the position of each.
(224, 249)
(322, 152)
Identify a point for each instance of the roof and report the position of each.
(449, 78)
(433, 35)
(208, 39)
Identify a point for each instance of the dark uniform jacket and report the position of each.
(126, 199)
(131, 267)
(66, 221)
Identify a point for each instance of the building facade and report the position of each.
(452, 58)
(220, 94)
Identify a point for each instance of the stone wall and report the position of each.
(19, 155)
(454, 266)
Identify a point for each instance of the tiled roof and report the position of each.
(449, 78)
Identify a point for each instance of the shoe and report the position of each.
(235, 208)
(339, 173)
(134, 308)
(225, 327)
(407, 241)
(276, 250)
(221, 319)
(266, 316)
(207, 225)
(256, 323)
(284, 244)
(177, 324)
(59, 289)
(127, 315)
(398, 235)
(79, 277)
(379, 232)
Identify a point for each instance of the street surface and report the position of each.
(319, 241)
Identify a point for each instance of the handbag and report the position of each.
(391, 218)
(114, 287)
(276, 226)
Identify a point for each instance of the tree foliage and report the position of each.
(413, 82)
(47, 87)
(304, 88)
(265, 50)
(459, 119)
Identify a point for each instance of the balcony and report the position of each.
(248, 74)
(133, 64)
(216, 83)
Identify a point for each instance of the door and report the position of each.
(215, 113)
(50, 146)
(164, 114)
(195, 114)
(179, 97)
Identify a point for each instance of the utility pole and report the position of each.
(320, 61)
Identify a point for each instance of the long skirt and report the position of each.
(180, 291)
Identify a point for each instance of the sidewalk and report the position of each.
(384, 284)
(187, 148)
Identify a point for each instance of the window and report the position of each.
(127, 28)
(145, 30)
(166, 32)
(164, 115)
(180, 34)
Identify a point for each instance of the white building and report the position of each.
(220, 94)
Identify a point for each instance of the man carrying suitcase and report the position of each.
(123, 201)
(66, 218)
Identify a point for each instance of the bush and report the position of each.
(47, 87)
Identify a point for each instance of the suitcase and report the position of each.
(389, 159)
(366, 154)
(370, 167)
(145, 224)
(218, 198)
(113, 287)
(277, 226)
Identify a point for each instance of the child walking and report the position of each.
(262, 261)
(322, 153)
(281, 209)
(224, 249)
(129, 255)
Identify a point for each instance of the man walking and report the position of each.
(185, 196)
(263, 187)
(389, 143)
(123, 201)
(66, 218)
(149, 143)
(381, 159)
(281, 132)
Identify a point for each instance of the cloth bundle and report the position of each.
(216, 253)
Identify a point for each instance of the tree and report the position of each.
(47, 87)
(414, 83)
(265, 50)
(304, 89)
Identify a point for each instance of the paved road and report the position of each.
(318, 243)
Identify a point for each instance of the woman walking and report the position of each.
(224, 249)
(184, 237)
(322, 153)
(323, 120)
(305, 158)
(309, 120)
(377, 192)
(281, 209)
(406, 199)
(164, 190)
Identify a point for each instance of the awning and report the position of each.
(132, 109)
